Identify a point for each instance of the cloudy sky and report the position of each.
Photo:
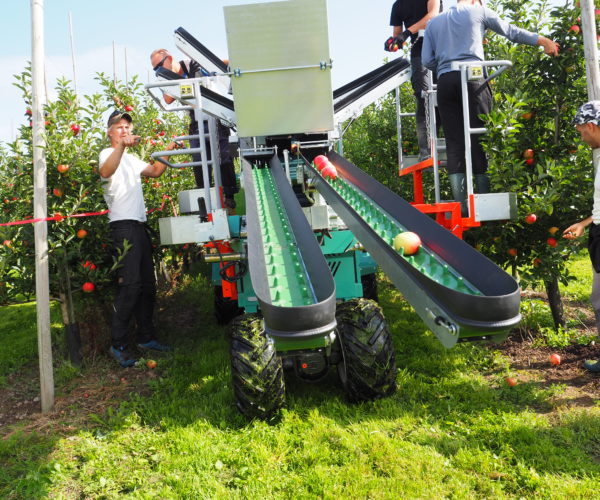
(356, 34)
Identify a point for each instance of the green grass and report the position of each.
(18, 335)
(452, 430)
(580, 267)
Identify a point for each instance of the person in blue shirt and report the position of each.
(455, 36)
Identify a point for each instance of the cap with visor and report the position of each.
(116, 116)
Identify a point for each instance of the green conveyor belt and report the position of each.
(288, 281)
(388, 228)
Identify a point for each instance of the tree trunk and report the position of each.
(72, 336)
(555, 301)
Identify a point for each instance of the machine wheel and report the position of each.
(368, 367)
(225, 308)
(256, 369)
(369, 284)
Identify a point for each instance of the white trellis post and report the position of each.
(590, 50)
(42, 290)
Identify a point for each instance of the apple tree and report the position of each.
(80, 259)
(535, 151)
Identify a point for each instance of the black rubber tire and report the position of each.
(368, 368)
(369, 284)
(257, 372)
(225, 308)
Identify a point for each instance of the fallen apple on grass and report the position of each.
(555, 359)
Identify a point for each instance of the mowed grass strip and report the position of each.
(18, 334)
(453, 429)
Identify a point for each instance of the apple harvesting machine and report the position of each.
(296, 273)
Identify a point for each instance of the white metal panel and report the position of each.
(495, 206)
(189, 229)
(276, 35)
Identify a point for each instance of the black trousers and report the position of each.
(228, 178)
(449, 99)
(418, 80)
(136, 292)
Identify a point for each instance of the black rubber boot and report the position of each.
(590, 365)
(459, 191)
(482, 183)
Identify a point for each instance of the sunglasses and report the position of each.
(160, 63)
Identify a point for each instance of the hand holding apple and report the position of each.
(574, 231)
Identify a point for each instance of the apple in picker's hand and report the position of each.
(408, 241)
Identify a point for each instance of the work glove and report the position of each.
(392, 44)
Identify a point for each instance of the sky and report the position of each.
(136, 27)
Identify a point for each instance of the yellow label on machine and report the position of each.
(186, 91)
(474, 72)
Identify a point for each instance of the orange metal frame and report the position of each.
(229, 288)
(447, 213)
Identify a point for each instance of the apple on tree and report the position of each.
(528, 154)
(531, 218)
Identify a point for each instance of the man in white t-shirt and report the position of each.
(587, 122)
(121, 178)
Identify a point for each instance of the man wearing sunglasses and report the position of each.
(191, 69)
(121, 178)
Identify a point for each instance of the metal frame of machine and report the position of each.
(294, 265)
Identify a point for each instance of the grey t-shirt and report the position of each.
(457, 35)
